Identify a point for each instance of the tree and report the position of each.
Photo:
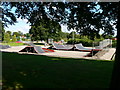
(115, 81)
(38, 33)
(18, 38)
(73, 34)
(27, 35)
(91, 19)
(20, 33)
(16, 33)
(14, 39)
(9, 32)
(64, 35)
(7, 37)
(2, 31)
(44, 30)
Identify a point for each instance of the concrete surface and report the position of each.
(103, 55)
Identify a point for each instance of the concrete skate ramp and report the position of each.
(4, 46)
(82, 48)
(61, 47)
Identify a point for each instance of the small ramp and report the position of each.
(35, 49)
(4, 46)
(105, 54)
(39, 49)
(61, 47)
(80, 47)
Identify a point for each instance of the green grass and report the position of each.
(30, 71)
(13, 44)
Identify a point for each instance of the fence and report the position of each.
(104, 44)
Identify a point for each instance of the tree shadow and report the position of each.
(30, 71)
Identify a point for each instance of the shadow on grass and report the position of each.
(30, 71)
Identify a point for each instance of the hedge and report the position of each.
(85, 42)
(88, 42)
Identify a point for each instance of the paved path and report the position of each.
(108, 55)
(13, 49)
(67, 54)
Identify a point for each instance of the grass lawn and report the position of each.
(13, 44)
(30, 71)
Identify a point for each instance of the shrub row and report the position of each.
(88, 42)
(85, 42)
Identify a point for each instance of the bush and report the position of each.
(18, 38)
(14, 39)
(85, 42)
(23, 39)
(7, 37)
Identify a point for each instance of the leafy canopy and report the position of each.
(43, 30)
(86, 17)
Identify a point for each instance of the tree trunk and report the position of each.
(115, 80)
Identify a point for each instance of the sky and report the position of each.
(24, 27)
(20, 26)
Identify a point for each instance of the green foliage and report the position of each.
(83, 37)
(27, 35)
(107, 36)
(43, 30)
(20, 33)
(2, 32)
(73, 34)
(9, 32)
(14, 39)
(17, 34)
(81, 16)
(23, 39)
(64, 36)
(85, 41)
(7, 37)
(18, 38)
(38, 33)
(114, 43)
(85, 17)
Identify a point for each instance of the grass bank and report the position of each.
(13, 44)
